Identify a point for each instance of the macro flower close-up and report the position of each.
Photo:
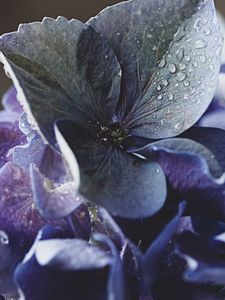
(112, 164)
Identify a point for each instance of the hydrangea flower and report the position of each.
(150, 79)
(118, 97)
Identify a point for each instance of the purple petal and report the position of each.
(54, 202)
(71, 255)
(116, 281)
(10, 136)
(8, 261)
(45, 158)
(153, 256)
(204, 265)
(10, 102)
(19, 217)
(37, 282)
(211, 138)
(12, 107)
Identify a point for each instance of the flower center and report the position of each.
(113, 134)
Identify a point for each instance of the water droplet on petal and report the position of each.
(181, 76)
(178, 127)
(182, 66)
(158, 87)
(160, 97)
(165, 82)
(180, 53)
(197, 24)
(187, 58)
(192, 91)
(157, 171)
(162, 63)
(199, 44)
(203, 59)
(106, 56)
(207, 31)
(172, 68)
(149, 36)
(195, 64)
(4, 238)
(186, 83)
(170, 96)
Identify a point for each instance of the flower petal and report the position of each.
(53, 202)
(154, 254)
(41, 282)
(203, 264)
(127, 186)
(163, 48)
(82, 85)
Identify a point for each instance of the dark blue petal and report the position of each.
(204, 264)
(53, 202)
(43, 282)
(212, 138)
(122, 183)
(153, 256)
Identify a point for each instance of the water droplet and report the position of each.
(203, 59)
(118, 33)
(162, 63)
(158, 87)
(157, 171)
(160, 97)
(186, 83)
(170, 96)
(211, 67)
(149, 36)
(192, 91)
(138, 41)
(178, 127)
(187, 58)
(165, 82)
(4, 238)
(180, 53)
(207, 31)
(181, 76)
(182, 66)
(199, 44)
(106, 56)
(195, 64)
(172, 68)
(7, 74)
(197, 24)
